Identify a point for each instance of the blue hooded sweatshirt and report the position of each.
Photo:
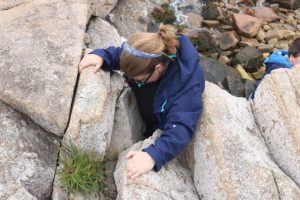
(178, 101)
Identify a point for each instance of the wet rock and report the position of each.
(173, 181)
(222, 75)
(102, 34)
(246, 25)
(28, 157)
(249, 57)
(41, 45)
(202, 39)
(266, 14)
(93, 111)
(227, 40)
(212, 11)
(229, 158)
(277, 111)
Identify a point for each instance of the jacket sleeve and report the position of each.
(181, 122)
(111, 56)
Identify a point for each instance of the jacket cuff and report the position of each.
(156, 157)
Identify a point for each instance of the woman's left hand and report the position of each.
(138, 163)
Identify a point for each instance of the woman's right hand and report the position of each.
(91, 60)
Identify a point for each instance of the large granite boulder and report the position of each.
(277, 111)
(92, 116)
(40, 48)
(28, 157)
(229, 158)
(173, 181)
(128, 125)
(102, 34)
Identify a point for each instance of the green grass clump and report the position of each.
(164, 14)
(81, 171)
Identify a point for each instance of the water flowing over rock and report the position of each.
(40, 49)
(28, 157)
(173, 181)
(277, 110)
(228, 156)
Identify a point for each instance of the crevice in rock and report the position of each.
(275, 181)
(12, 7)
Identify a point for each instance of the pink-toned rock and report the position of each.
(273, 34)
(266, 14)
(248, 42)
(246, 24)
(227, 40)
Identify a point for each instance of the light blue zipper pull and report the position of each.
(163, 106)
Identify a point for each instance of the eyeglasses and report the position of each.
(142, 83)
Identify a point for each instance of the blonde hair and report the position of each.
(164, 41)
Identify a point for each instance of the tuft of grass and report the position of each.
(81, 171)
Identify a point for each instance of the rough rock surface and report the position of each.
(266, 14)
(40, 49)
(22, 194)
(28, 157)
(128, 125)
(277, 110)
(102, 34)
(102, 8)
(173, 181)
(228, 156)
(246, 24)
(133, 14)
(93, 111)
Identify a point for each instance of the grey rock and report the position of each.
(250, 58)
(277, 110)
(40, 49)
(93, 111)
(102, 8)
(131, 16)
(28, 157)
(128, 125)
(102, 34)
(173, 181)
(22, 194)
(228, 156)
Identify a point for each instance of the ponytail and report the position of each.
(168, 37)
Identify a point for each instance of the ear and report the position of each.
(159, 68)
